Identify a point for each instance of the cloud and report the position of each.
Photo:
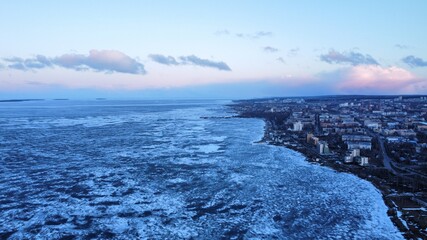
(262, 34)
(280, 59)
(375, 79)
(414, 61)
(293, 52)
(98, 60)
(189, 60)
(270, 49)
(222, 32)
(361, 79)
(13, 59)
(192, 59)
(37, 62)
(401, 46)
(101, 61)
(255, 35)
(166, 60)
(17, 66)
(352, 58)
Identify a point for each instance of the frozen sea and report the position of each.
(157, 170)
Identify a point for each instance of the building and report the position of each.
(364, 161)
(361, 138)
(298, 126)
(352, 155)
(355, 153)
(394, 139)
(406, 132)
(371, 124)
(348, 159)
(357, 141)
(359, 145)
(315, 140)
(309, 136)
(323, 148)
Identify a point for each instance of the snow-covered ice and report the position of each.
(158, 170)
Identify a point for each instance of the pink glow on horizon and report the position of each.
(379, 79)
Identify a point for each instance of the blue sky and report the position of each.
(215, 49)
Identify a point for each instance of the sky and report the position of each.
(211, 49)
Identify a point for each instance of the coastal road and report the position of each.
(390, 166)
(387, 162)
(386, 159)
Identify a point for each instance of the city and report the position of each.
(220, 119)
(382, 139)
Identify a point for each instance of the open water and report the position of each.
(161, 170)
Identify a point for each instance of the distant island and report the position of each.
(41, 99)
(21, 100)
(382, 139)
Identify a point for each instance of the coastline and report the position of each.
(392, 212)
(325, 130)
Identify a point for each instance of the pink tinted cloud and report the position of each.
(101, 60)
(374, 78)
(107, 61)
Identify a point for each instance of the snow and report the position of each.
(209, 148)
(170, 174)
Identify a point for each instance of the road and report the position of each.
(387, 162)
(390, 166)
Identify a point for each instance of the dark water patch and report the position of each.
(201, 211)
(157, 210)
(25, 216)
(118, 183)
(34, 229)
(133, 214)
(166, 220)
(67, 237)
(238, 206)
(128, 191)
(82, 222)
(147, 213)
(106, 203)
(77, 189)
(7, 234)
(6, 201)
(277, 218)
(127, 214)
(100, 235)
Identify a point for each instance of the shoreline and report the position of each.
(385, 191)
(357, 135)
